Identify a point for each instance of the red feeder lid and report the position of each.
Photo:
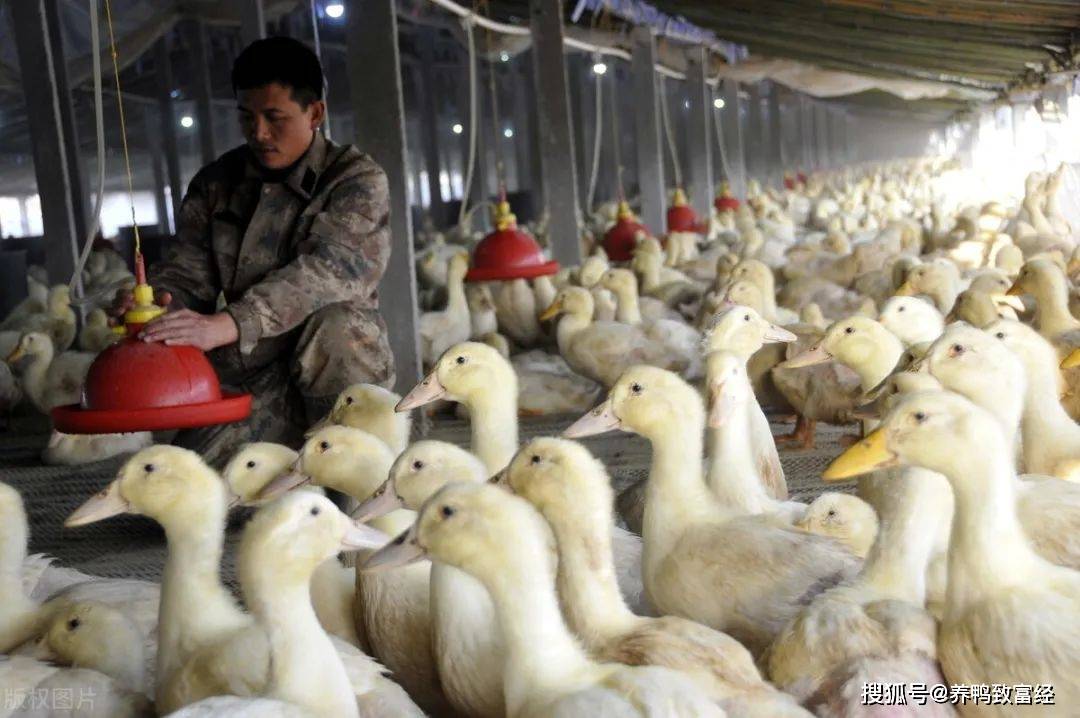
(508, 253)
(138, 386)
(681, 216)
(802, 177)
(789, 181)
(724, 201)
(621, 240)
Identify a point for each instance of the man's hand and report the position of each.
(205, 331)
(125, 300)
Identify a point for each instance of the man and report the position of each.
(280, 247)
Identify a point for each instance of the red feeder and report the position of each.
(621, 239)
(724, 202)
(139, 386)
(508, 253)
(681, 216)
(789, 181)
(802, 178)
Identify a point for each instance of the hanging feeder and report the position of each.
(508, 253)
(724, 201)
(621, 239)
(789, 180)
(680, 215)
(149, 386)
(802, 177)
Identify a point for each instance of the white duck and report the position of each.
(370, 407)
(913, 320)
(745, 575)
(438, 330)
(846, 518)
(500, 540)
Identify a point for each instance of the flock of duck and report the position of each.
(510, 580)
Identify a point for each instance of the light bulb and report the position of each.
(599, 68)
(457, 129)
(335, 10)
(504, 57)
(187, 121)
(718, 103)
(508, 133)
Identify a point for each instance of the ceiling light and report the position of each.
(335, 10)
(508, 133)
(457, 129)
(505, 57)
(599, 68)
(187, 121)
(718, 103)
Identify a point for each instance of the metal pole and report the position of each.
(776, 133)
(650, 158)
(379, 107)
(700, 137)
(429, 124)
(203, 95)
(733, 137)
(252, 21)
(167, 114)
(49, 111)
(154, 148)
(556, 137)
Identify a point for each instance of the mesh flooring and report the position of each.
(134, 547)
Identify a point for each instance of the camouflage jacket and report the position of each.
(280, 251)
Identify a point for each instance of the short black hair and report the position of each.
(283, 60)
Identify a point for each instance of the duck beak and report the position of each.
(813, 356)
(43, 652)
(600, 420)
(870, 454)
(922, 366)
(425, 392)
(102, 505)
(1009, 300)
(778, 335)
(16, 354)
(1015, 290)
(552, 311)
(234, 501)
(501, 479)
(284, 483)
(382, 502)
(1072, 360)
(359, 537)
(402, 551)
(721, 405)
(906, 290)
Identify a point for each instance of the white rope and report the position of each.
(720, 138)
(598, 137)
(326, 81)
(473, 102)
(668, 133)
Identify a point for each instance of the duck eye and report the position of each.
(348, 400)
(957, 349)
(535, 459)
(314, 510)
(849, 330)
(251, 464)
(417, 465)
(901, 309)
(447, 512)
(73, 624)
(149, 468)
(746, 317)
(324, 445)
(920, 416)
(831, 513)
(1000, 335)
(460, 360)
(636, 388)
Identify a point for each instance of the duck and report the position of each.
(517, 312)
(19, 619)
(632, 308)
(875, 628)
(694, 546)
(672, 333)
(500, 540)
(759, 274)
(466, 639)
(97, 335)
(1019, 623)
(482, 317)
(977, 308)
(477, 376)
(439, 330)
(391, 610)
(58, 320)
(847, 518)
(913, 320)
(25, 678)
(281, 547)
(78, 449)
(49, 379)
(1046, 282)
(370, 407)
(601, 350)
(862, 344)
(668, 285)
(35, 302)
(206, 645)
(572, 491)
(742, 331)
(939, 279)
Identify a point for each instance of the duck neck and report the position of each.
(540, 652)
(880, 363)
(195, 606)
(675, 495)
(910, 509)
(650, 276)
(988, 549)
(628, 311)
(588, 588)
(733, 474)
(304, 666)
(456, 302)
(570, 325)
(34, 379)
(494, 424)
(1052, 315)
(18, 619)
(1046, 427)
(944, 296)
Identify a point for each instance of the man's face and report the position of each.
(277, 129)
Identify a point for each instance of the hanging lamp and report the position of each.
(147, 386)
(724, 201)
(621, 239)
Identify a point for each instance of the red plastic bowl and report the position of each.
(508, 254)
(682, 218)
(726, 203)
(139, 386)
(621, 240)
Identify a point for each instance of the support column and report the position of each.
(429, 124)
(379, 107)
(650, 158)
(167, 115)
(200, 79)
(154, 148)
(731, 131)
(556, 137)
(700, 133)
(252, 21)
(536, 168)
(51, 121)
